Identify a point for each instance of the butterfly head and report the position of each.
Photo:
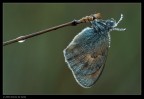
(112, 24)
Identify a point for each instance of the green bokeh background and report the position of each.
(37, 66)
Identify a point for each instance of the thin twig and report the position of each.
(72, 23)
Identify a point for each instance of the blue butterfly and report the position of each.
(87, 53)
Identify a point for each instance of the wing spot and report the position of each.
(89, 58)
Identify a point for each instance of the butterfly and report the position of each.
(87, 53)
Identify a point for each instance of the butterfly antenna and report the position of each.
(119, 29)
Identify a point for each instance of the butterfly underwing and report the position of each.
(87, 53)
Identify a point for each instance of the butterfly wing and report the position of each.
(86, 56)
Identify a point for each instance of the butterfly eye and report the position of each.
(111, 23)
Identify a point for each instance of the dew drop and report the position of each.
(21, 41)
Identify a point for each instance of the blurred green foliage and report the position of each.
(37, 66)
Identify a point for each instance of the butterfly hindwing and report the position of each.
(86, 57)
